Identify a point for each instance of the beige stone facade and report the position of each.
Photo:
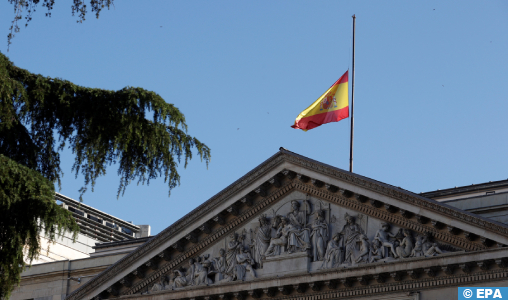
(51, 280)
(67, 264)
(294, 228)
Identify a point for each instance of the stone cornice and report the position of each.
(277, 159)
(63, 273)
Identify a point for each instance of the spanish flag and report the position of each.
(332, 106)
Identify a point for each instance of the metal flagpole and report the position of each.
(352, 101)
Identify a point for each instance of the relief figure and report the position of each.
(183, 279)
(333, 255)
(219, 265)
(296, 217)
(280, 240)
(299, 235)
(319, 236)
(376, 251)
(233, 248)
(433, 250)
(180, 279)
(426, 243)
(418, 249)
(262, 241)
(351, 233)
(244, 263)
(363, 254)
(383, 236)
(406, 246)
(162, 284)
(202, 265)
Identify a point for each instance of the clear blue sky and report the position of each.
(431, 98)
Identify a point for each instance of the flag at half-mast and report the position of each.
(332, 106)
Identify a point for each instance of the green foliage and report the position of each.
(40, 116)
(26, 8)
(27, 209)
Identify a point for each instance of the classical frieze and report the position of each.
(385, 247)
(301, 236)
(431, 277)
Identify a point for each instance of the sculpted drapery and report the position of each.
(234, 247)
(299, 235)
(333, 255)
(182, 279)
(219, 265)
(302, 231)
(351, 233)
(319, 237)
(244, 264)
(406, 246)
(262, 241)
(201, 271)
(350, 246)
(297, 232)
(281, 237)
(296, 217)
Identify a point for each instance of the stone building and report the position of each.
(66, 264)
(295, 228)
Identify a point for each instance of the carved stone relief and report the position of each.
(161, 285)
(196, 273)
(301, 235)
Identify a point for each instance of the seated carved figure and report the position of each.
(376, 251)
(418, 249)
(244, 263)
(181, 278)
(280, 239)
(406, 246)
(298, 235)
(383, 236)
(363, 254)
(426, 243)
(333, 255)
(201, 271)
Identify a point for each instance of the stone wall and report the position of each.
(55, 280)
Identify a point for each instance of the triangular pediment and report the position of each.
(292, 215)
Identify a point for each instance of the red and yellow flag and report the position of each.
(332, 106)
